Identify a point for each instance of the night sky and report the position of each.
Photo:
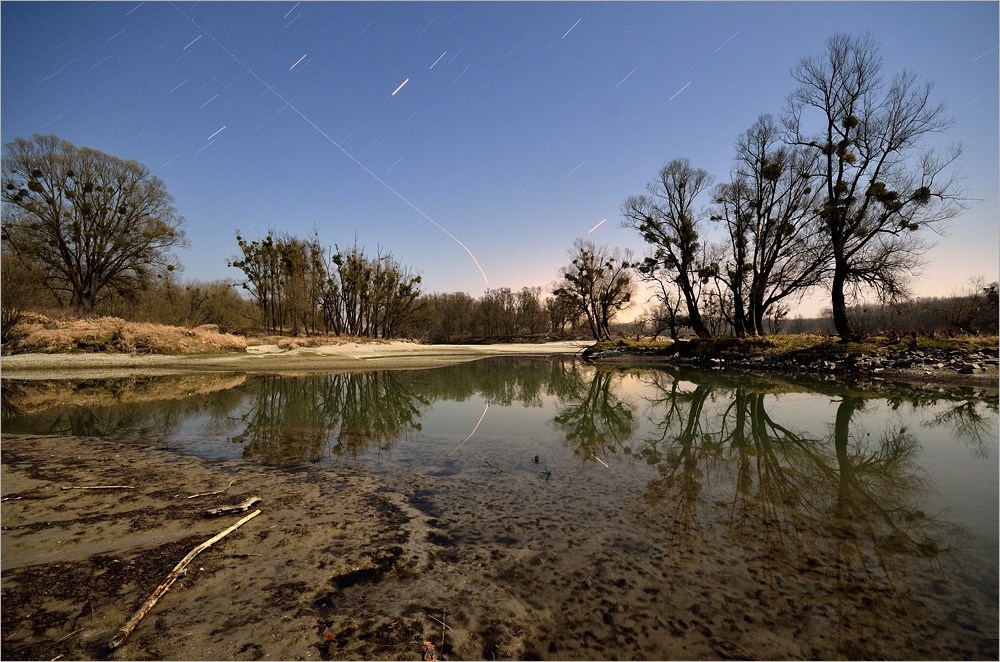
(472, 141)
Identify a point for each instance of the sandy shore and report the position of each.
(271, 358)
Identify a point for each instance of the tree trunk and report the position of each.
(755, 316)
(694, 315)
(740, 319)
(695, 320)
(840, 321)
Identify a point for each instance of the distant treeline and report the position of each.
(974, 311)
(356, 294)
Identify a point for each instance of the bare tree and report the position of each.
(667, 220)
(97, 225)
(561, 310)
(599, 282)
(971, 310)
(878, 189)
(19, 293)
(262, 265)
(777, 249)
(666, 315)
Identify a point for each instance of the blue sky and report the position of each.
(520, 127)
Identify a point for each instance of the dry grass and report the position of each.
(775, 346)
(110, 334)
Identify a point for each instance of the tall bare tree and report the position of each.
(599, 282)
(777, 248)
(668, 221)
(97, 225)
(878, 188)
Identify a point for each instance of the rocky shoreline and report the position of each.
(973, 367)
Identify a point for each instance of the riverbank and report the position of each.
(962, 361)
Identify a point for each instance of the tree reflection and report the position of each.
(852, 496)
(973, 421)
(133, 407)
(291, 420)
(595, 420)
(676, 450)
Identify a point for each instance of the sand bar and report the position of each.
(271, 358)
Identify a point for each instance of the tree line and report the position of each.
(837, 192)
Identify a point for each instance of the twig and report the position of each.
(102, 487)
(494, 466)
(70, 634)
(126, 630)
(444, 612)
(601, 461)
(11, 498)
(215, 492)
(238, 508)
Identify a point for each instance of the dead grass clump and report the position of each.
(110, 334)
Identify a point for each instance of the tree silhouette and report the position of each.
(95, 224)
(878, 190)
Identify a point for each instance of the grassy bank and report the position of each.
(801, 347)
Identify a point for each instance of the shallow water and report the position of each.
(628, 507)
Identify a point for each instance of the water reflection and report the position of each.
(123, 407)
(696, 431)
(594, 418)
(298, 420)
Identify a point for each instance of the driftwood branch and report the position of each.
(494, 466)
(238, 508)
(215, 492)
(102, 487)
(147, 606)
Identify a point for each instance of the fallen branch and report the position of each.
(102, 487)
(147, 606)
(494, 466)
(601, 461)
(215, 492)
(238, 508)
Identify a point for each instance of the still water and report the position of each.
(857, 520)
